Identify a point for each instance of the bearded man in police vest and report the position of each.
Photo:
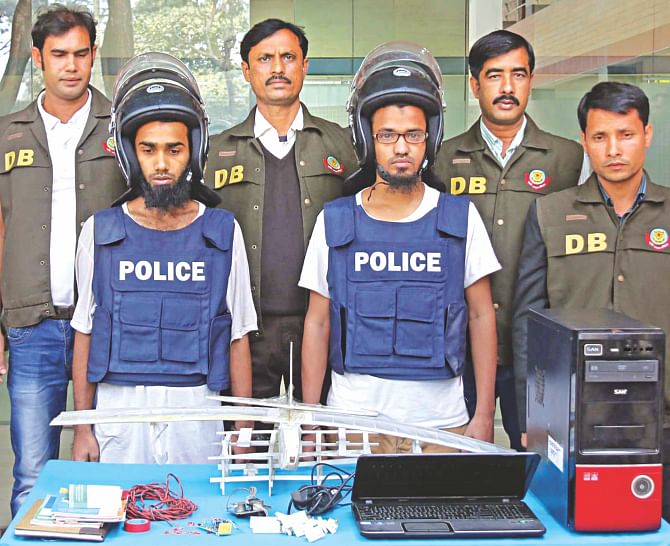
(604, 244)
(165, 303)
(398, 272)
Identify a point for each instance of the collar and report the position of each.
(78, 118)
(496, 145)
(639, 197)
(590, 192)
(533, 137)
(262, 126)
(100, 108)
(246, 128)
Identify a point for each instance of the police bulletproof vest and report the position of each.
(161, 316)
(397, 306)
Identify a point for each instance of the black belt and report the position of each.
(62, 313)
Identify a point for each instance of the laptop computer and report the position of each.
(445, 495)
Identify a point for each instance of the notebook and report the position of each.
(27, 528)
(445, 495)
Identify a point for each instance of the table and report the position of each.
(195, 480)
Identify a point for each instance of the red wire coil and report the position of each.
(170, 506)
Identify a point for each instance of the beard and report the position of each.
(403, 183)
(167, 197)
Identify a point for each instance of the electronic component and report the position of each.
(250, 506)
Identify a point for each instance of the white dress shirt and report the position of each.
(269, 136)
(63, 139)
(496, 145)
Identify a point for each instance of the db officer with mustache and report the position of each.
(274, 171)
(503, 162)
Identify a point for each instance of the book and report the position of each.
(26, 528)
(106, 508)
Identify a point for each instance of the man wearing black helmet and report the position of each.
(165, 304)
(398, 272)
(503, 162)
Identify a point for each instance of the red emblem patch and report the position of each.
(537, 179)
(332, 164)
(109, 145)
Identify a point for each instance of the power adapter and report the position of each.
(316, 499)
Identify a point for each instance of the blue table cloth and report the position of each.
(197, 487)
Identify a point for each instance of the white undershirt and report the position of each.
(269, 136)
(238, 296)
(435, 403)
(63, 139)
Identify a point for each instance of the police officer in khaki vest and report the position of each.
(57, 167)
(275, 171)
(503, 162)
(604, 244)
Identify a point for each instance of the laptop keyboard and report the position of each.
(450, 511)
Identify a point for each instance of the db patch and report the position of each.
(537, 179)
(332, 164)
(657, 239)
(110, 145)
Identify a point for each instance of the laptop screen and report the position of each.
(444, 475)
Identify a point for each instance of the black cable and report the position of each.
(317, 499)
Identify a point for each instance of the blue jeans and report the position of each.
(40, 362)
(505, 390)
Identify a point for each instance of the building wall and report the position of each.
(581, 42)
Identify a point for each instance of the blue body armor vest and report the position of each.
(161, 316)
(397, 305)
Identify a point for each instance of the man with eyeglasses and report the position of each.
(503, 162)
(399, 271)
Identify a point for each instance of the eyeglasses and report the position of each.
(411, 137)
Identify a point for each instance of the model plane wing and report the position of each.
(283, 403)
(166, 415)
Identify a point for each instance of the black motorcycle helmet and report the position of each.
(158, 87)
(394, 73)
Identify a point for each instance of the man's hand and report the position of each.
(3, 360)
(85, 446)
(524, 440)
(480, 428)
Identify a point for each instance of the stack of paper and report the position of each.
(80, 512)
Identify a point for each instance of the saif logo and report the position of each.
(537, 179)
(110, 145)
(331, 163)
(657, 239)
(155, 88)
(620, 392)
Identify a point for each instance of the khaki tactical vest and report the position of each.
(324, 157)
(543, 163)
(25, 193)
(594, 260)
